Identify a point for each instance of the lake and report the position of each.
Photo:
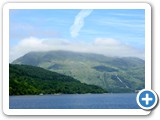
(75, 101)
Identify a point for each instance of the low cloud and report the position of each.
(79, 22)
(105, 46)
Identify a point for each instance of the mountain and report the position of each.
(26, 80)
(114, 74)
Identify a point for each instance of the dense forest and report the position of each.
(30, 80)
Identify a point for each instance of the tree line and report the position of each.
(31, 80)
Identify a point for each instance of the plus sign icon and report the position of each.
(147, 99)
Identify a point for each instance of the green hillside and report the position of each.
(111, 73)
(30, 80)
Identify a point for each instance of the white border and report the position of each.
(8, 6)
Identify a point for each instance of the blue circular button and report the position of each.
(147, 99)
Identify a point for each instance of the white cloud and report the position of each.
(112, 47)
(79, 22)
(105, 46)
(106, 41)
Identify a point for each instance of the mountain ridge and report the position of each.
(91, 68)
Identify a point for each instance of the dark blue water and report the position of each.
(75, 101)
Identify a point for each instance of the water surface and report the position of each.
(75, 101)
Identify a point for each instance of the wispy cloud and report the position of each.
(126, 15)
(105, 46)
(23, 30)
(132, 23)
(79, 22)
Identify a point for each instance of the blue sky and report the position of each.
(74, 29)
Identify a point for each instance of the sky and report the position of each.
(111, 32)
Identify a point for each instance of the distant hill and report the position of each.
(114, 74)
(30, 80)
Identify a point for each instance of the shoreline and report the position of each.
(71, 94)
